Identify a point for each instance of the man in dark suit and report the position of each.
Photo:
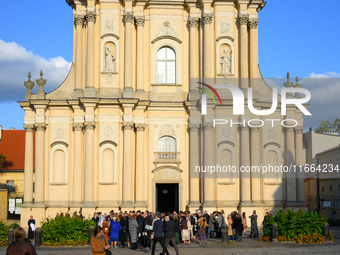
(170, 228)
(158, 229)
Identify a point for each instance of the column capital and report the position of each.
(207, 18)
(289, 129)
(193, 21)
(78, 20)
(208, 126)
(140, 21)
(253, 22)
(40, 126)
(194, 127)
(140, 126)
(243, 19)
(127, 125)
(90, 125)
(243, 128)
(128, 17)
(29, 127)
(254, 129)
(78, 126)
(91, 16)
(299, 130)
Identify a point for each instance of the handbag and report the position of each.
(245, 226)
(108, 252)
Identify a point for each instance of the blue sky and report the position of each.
(299, 36)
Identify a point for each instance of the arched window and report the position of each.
(166, 65)
(167, 144)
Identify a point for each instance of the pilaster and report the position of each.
(128, 91)
(90, 90)
(207, 53)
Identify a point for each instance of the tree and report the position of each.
(2, 159)
(326, 126)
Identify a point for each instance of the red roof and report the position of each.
(12, 146)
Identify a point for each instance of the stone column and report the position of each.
(299, 162)
(209, 199)
(128, 89)
(193, 52)
(290, 161)
(89, 164)
(77, 165)
(207, 52)
(255, 161)
(127, 167)
(78, 22)
(194, 177)
(140, 22)
(245, 161)
(28, 175)
(39, 164)
(140, 199)
(90, 91)
(243, 21)
(253, 52)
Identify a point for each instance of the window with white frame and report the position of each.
(167, 144)
(166, 65)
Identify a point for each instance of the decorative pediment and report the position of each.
(166, 31)
(167, 130)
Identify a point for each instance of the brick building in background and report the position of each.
(12, 146)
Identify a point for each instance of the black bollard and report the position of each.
(326, 231)
(37, 237)
(91, 229)
(10, 236)
(275, 232)
(224, 233)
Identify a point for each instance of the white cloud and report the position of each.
(16, 62)
(326, 75)
(325, 103)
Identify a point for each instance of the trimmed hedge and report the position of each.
(65, 231)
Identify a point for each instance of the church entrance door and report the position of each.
(167, 197)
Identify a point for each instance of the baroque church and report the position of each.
(125, 131)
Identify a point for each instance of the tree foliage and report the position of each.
(326, 126)
(2, 159)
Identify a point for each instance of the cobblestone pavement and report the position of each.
(214, 247)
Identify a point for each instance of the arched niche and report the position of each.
(225, 58)
(58, 164)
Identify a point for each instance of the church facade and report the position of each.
(125, 130)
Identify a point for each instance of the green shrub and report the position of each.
(14, 225)
(3, 234)
(292, 225)
(65, 231)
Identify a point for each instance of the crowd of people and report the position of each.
(144, 230)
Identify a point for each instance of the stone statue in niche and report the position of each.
(110, 60)
(226, 62)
